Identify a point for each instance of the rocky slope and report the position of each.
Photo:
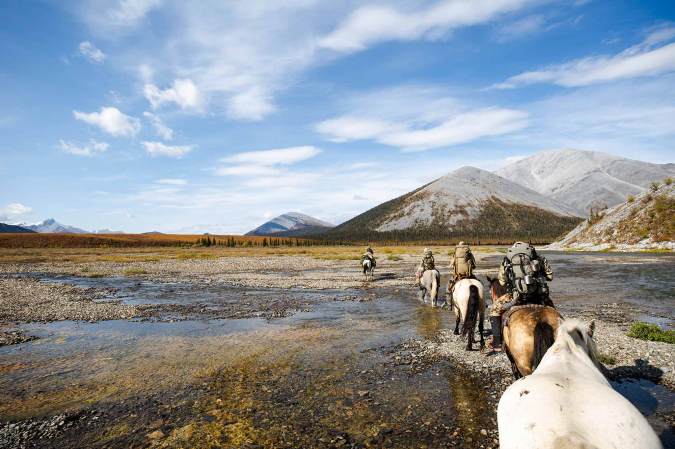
(466, 202)
(291, 224)
(585, 179)
(645, 221)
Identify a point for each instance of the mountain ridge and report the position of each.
(291, 224)
(584, 179)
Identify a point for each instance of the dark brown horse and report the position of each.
(527, 330)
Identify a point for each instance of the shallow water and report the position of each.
(274, 373)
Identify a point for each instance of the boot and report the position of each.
(496, 342)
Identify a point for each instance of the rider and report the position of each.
(462, 265)
(369, 254)
(427, 263)
(524, 274)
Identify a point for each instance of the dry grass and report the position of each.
(153, 254)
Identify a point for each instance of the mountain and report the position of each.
(645, 221)
(292, 224)
(107, 231)
(585, 179)
(466, 203)
(8, 228)
(51, 226)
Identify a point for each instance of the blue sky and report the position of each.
(177, 116)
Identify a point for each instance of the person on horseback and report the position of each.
(462, 265)
(523, 273)
(427, 263)
(369, 254)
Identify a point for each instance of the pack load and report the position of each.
(524, 270)
(369, 255)
(463, 262)
(428, 261)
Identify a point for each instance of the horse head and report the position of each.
(581, 334)
(496, 289)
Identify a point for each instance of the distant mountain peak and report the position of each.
(583, 179)
(291, 223)
(51, 226)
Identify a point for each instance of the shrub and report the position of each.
(606, 359)
(654, 186)
(668, 181)
(134, 271)
(394, 257)
(651, 332)
(631, 198)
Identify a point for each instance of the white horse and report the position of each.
(429, 286)
(568, 403)
(368, 267)
(466, 300)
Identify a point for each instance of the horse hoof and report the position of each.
(456, 332)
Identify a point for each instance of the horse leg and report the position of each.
(514, 367)
(480, 330)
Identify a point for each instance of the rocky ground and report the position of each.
(353, 404)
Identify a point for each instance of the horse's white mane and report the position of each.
(570, 325)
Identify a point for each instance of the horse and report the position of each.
(527, 332)
(567, 402)
(429, 286)
(368, 266)
(466, 299)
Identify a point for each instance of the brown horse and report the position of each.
(527, 332)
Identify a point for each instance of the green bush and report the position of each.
(606, 359)
(668, 181)
(654, 186)
(651, 332)
(631, 198)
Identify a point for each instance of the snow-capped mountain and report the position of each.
(292, 224)
(51, 226)
(585, 179)
(467, 201)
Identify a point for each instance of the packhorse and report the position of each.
(567, 402)
(468, 304)
(368, 265)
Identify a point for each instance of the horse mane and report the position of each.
(569, 328)
(498, 289)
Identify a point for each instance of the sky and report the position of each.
(215, 116)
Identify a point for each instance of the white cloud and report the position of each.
(112, 121)
(89, 51)
(247, 170)
(104, 16)
(520, 28)
(160, 149)
(87, 149)
(172, 181)
(163, 131)
(183, 92)
(371, 24)
(13, 210)
(252, 104)
(419, 118)
(281, 156)
(644, 59)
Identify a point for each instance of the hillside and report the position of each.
(291, 224)
(585, 179)
(8, 228)
(467, 203)
(646, 221)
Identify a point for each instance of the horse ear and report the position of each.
(591, 329)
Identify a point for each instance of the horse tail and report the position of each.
(471, 310)
(434, 287)
(543, 339)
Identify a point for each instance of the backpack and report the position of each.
(523, 268)
(463, 266)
